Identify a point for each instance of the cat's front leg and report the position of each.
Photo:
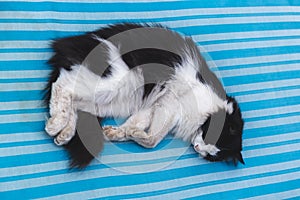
(202, 148)
(159, 121)
(135, 124)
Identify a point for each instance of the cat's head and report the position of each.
(230, 139)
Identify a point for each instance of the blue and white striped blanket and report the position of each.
(254, 48)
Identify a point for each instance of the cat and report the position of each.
(184, 100)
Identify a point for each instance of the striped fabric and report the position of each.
(254, 48)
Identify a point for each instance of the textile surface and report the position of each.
(254, 48)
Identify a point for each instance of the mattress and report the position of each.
(254, 48)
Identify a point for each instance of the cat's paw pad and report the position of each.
(113, 133)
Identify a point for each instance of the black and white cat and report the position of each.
(184, 102)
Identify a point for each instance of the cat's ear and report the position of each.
(239, 157)
(230, 105)
(229, 108)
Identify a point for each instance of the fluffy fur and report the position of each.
(184, 103)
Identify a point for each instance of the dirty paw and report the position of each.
(64, 136)
(55, 125)
(114, 133)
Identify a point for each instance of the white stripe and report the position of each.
(231, 186)
(213, 64)
(31, 117)
(63, 164)
(173, 24)
(251, 45)
(16, 105)
(258, 70)
(23, 150)
(271, 139)
(56, 179)
(22, 137)
(206, 48)
(277, 195)
(245, 35)
(25, 44)
(262, 85)
(22, 86)
(197, 38)
(24, 73)
(271, 111)
(24, 56)
(144, 15)
(272, 122)
(254, 60)
(268, 95)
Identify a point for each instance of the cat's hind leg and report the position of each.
(68, 132)
(159, 121)
(60, 109)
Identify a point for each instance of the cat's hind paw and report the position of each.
(114, 133)
(55, 125)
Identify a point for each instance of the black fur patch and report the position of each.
(230, 141)
(200, 77)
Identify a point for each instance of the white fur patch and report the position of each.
(229, 108)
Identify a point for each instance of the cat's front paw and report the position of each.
(114, 133)
(204, 150)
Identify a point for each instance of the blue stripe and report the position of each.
(262, 104)
(28, 65)
(23, 111)
(232, 40)
(21, 95)
(27, 143)
(130, 7)
(251, 52)
(265, 90)
(134, 179)
(11, 50)
(228, 81)
(22, 127)
(271, 130)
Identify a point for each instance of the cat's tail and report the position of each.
(80, 157)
